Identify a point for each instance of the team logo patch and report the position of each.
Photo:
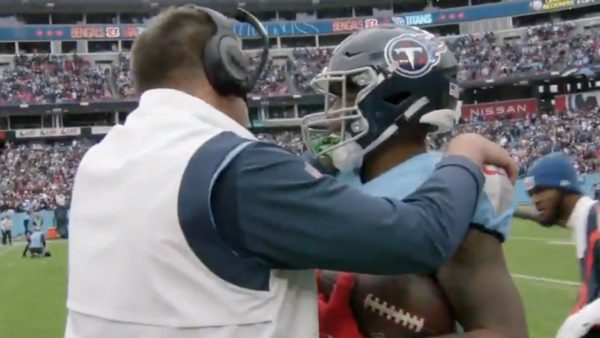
(454, 90)
(565, 183)
(312, 171)
(529, 183)
(413, 55)
(370, 23)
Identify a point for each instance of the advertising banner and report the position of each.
(549, 5)
(50, 132)
(100, 130)
(300, 28)
(577, 101)
(499, 110)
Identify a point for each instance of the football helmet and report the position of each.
(376, 80)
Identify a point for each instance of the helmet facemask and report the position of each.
(334, 131)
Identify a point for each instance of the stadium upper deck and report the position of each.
(80, 26)
(53, 89)
(261, 6)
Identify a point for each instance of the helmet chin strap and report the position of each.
(443, 119)
(393, 128)
(350, 156)
(387, 133)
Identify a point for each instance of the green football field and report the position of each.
(33, 291)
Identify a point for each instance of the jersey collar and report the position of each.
(169, 102)
(580, 212)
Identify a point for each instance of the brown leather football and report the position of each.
(404, 306)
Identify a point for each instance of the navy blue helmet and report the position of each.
(376, 80)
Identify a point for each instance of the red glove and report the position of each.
(335, 316)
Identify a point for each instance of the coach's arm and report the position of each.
(269, 204)
(481, 290)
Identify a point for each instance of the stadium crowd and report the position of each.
(34, 173)
(55, 79)
(542, 49)
(527, 139)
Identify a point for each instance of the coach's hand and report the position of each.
(483, 151)
(335, 315)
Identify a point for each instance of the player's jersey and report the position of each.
(585, 221)
(36, 240)
(146, 259)
(495, 206)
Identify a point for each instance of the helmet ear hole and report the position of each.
(358, 126)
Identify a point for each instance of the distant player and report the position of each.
(6, 229)
(553, 186)
(399, 85)
(36, 244)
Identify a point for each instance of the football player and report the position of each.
(386, 89)
(553, 186)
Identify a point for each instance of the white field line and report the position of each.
(545, 280)
(542, 239)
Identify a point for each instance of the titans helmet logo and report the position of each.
(413, 55)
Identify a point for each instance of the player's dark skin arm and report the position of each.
(481, 291)
(526, 212)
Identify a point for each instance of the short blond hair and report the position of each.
(171, 48)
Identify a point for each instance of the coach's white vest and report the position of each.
(131, 271)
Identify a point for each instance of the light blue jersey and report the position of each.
(495, 205)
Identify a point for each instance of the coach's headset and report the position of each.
(225, 65)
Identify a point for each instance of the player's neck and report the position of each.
(389, 156)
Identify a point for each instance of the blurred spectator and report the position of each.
(542, 49)
(290, 140)
(527, 139)
(40, 175)
(52, 79)
(34, 173)
(306, 63)
(122, 77)
(558, 47)
(6, 229)
(272, 81)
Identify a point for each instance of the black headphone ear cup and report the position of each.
(213, 64)
(225, 65)
(234, 60)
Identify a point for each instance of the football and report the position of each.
(404, 306)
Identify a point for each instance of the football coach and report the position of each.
(184, 225)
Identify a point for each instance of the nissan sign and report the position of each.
(499, 110)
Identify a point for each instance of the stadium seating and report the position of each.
(50, 79)
(53, 79)
(32, 173)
